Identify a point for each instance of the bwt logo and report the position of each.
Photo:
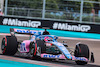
(81, 58)
(16, 22)
(65, 26)
(51, 56)
(25, 31)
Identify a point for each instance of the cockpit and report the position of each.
(48, 37)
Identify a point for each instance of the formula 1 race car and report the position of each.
(45, 46)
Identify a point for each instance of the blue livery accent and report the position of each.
(63, 50)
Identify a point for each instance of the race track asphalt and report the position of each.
(93, 45)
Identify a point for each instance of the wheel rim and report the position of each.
(3, 45)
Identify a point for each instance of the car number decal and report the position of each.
(23, 47)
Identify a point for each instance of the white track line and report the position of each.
(59, 37)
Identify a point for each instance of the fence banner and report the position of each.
(58, 25)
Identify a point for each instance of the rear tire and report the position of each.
(81, 50)
(9, 45)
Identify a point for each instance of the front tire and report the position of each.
(9, 45)
(81, 50)
(42, 45)
(38, 48)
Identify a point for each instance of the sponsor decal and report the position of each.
(60, 56)
(25, 31)
(66, 26)
(79, 58)
(48, 44)
(16, 22)
(51, 56)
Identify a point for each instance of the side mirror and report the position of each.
(65, 44)
(55, 38)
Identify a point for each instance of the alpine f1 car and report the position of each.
(45, 46)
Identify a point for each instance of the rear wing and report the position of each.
(26, 31)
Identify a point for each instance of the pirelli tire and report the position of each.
(81, 50)
(9, 45)
(39, 47)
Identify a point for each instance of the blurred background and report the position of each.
(82, 11)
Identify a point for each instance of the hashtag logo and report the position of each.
(55, 25)
(5, 21)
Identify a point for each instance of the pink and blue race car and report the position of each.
(44, 46)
